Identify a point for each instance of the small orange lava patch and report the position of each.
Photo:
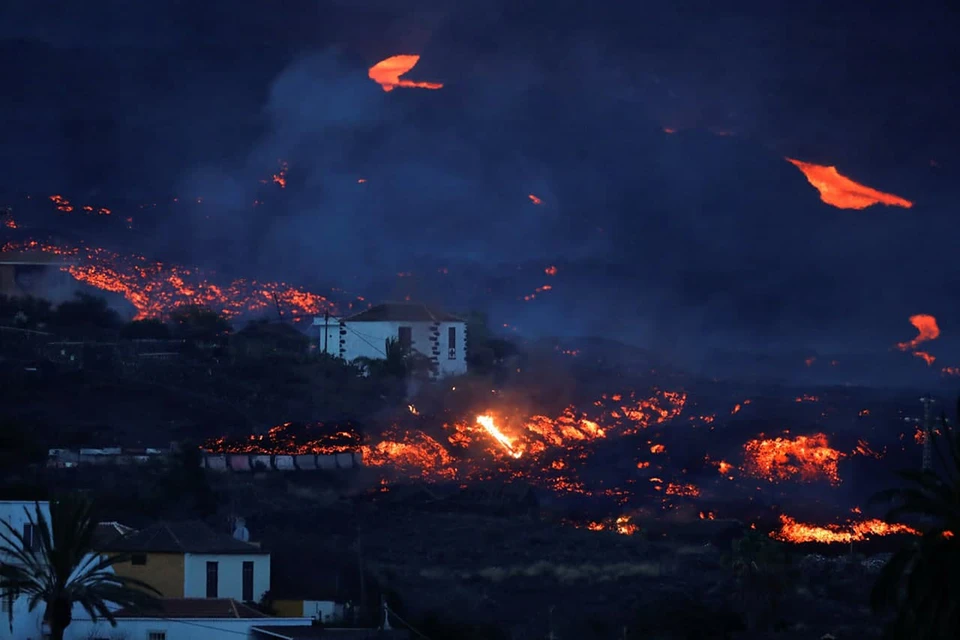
(842, 192)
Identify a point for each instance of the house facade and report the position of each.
(191, 560)
(438, 335)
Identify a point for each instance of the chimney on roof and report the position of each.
(240, 531)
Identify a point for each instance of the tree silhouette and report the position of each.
(920, 584)
(59, 568)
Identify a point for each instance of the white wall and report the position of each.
(26, 624)
(192, 629)
(230, 574)
(367, 340)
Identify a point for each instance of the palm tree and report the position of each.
(59, 568)
(920, 584)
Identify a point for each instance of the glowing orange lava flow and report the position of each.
(534, 199)
(155, 288)
(487, 423)
(807, 458)
(927, 329)
(387, 73)
(798, 532)
(842, 192)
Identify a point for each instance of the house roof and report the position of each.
(179, 537)
(403, 312)
(194, 608)
(107, 532)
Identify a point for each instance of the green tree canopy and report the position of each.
(149, 329)
(195, 323)
(85, 317)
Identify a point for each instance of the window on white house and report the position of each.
(405, 337)
(247, 581)
(213, 579)
(452, 343)
(156, 635)
(31, 539)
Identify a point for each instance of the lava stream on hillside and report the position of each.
(156, 288)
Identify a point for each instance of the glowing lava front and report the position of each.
(798, 532)
(156, 288)
(842, 192)
(387, 73)
(807, 458)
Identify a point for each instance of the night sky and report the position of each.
(681, 241)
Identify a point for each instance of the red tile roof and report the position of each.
(195, 608)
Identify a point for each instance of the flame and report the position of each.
(487, 423)
(929, 359)
(808, 458)
(550, 271)
(950, 371)
(797, 532)
(809, 361)
(807, 398)
(413, 410)
(842, 192)
(387, 73)
(669, 130)
(534, 199)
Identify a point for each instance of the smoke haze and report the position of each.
(683, 242)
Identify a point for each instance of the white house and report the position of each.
(191, 560)
(438, 335)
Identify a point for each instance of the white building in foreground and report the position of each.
(438, 335)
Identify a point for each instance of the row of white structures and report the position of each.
(277, 462)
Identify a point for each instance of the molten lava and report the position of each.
(842, 192)
(534, 199)
(155, 288)
(927, 329)
(387, 73)
(807, 458)
(798, 532)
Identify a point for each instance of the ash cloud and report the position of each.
(681, 242)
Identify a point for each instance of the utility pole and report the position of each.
(928, 431)
(276, 301)
(326, 330)
(363, 580)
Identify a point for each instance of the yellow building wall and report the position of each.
(288, 608)
(163, 571)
